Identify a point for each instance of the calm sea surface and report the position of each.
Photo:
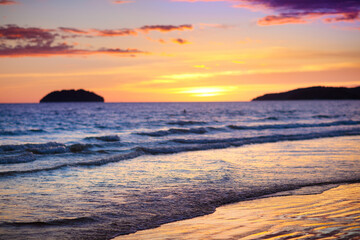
(97, 170)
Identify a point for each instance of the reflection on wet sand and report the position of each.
(333, 214)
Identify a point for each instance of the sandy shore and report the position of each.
(333, 214)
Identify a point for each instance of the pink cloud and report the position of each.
(214, 25)
(199, 0)
(8, 2)
(73, 30)
(123, 2)
(280, 19)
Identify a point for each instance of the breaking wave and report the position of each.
(184, 145)
(203, 130)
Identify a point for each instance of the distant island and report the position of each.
(314, 93)
(72, 96)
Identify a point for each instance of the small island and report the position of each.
(314, 93)
(71, 96)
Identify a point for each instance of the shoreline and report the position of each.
(330, 213)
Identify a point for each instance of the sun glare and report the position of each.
(206, 91)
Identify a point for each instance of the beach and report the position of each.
(332, 214)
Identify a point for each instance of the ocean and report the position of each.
(99, 170)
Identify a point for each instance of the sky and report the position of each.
(176, 50)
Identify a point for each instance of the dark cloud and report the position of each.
(18, 41)
(180, 41)
(7, 2)
(303, 11)
(60, 49)
(309, 6)
(113, 33)
(36, 35)
(298, 11)
(166, 28)
(98, 32)
(36, 50)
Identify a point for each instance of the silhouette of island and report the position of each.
(314, 93)
(72, 96)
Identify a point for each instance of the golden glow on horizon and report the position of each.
(207, 91)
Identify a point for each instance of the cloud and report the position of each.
(180, 41)
(305, 11)
(166, 28)
(113, 33)
(281, 19)
(299, 11)
(19, 42)
(8, 2)
(213, 25)
(198, 0)
(37, 35)
(60, 49)
(98, 32)
(123, 2)
(125, 31)
(73, 30)
(31, 41)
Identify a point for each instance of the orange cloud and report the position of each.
(346, 17)
(276, 20)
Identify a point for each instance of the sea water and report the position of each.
(97, 170)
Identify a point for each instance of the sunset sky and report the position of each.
(176, 50)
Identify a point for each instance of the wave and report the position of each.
(186, 123)
(191, 145)
(294, 125)
(20, 132)
(268, 139)
(107, 138)
(203, 202)
(56, 222)
(327, 116)
(269, 118)
(175, 131)
(43, 148)
(22, 158)
(96, 162)
(203, 130)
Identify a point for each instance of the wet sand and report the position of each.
(332, 214)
